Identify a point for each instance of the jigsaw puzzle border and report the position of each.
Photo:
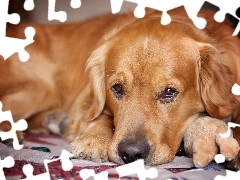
(116, 6)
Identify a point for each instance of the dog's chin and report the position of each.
(157, 156)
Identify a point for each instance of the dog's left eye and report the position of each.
(167, 95)
(118, 90)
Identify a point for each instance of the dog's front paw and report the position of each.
(91, 147)
(202, 140)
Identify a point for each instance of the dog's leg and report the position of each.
(29, 101)
(54, 121)
(202, 140)
(92, 144)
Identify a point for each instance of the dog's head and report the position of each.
(157, 80)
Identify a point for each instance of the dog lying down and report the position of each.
(122, 89)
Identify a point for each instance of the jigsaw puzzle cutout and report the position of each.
(9, 46)
(66, 166)
(230, 125)
(87, 173)
(219, 158)
(60, 15)
(192, 8)
(75, 4)
(52, 13)
(8, 162)
(230, 175)
(236, 89)
(230, 7)
(29, 5)
(138, 168)
(20, 125)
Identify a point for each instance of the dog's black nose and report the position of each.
(130, 150)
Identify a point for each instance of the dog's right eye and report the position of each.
(167, 95)
(118, 90)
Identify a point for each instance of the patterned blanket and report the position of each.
(38, 147)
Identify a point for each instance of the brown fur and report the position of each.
(142, 55)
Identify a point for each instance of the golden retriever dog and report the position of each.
(121, 88)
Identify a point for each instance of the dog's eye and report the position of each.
(118, 90)
(167, 95)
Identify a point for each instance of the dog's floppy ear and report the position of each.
(216, 81)
(96, 74)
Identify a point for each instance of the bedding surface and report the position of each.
(39, 147)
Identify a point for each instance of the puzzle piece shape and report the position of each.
(192, 8)
(29, 5)
(236, 89)
(9, 46)
(229, 7)
(87, 173)
(230, 175)
(230, 125)
(66, 162)
(219, 158)
(75, 4)
(60, 15)
(28, 171)
(66, 166)
(53, 15)
(20, 125)
(139, 12)
(5, 17)
(6, 163)
(138, 168)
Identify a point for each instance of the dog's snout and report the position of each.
(130, 151)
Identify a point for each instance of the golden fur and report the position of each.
(73, 69)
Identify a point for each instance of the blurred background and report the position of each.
(88, 9)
